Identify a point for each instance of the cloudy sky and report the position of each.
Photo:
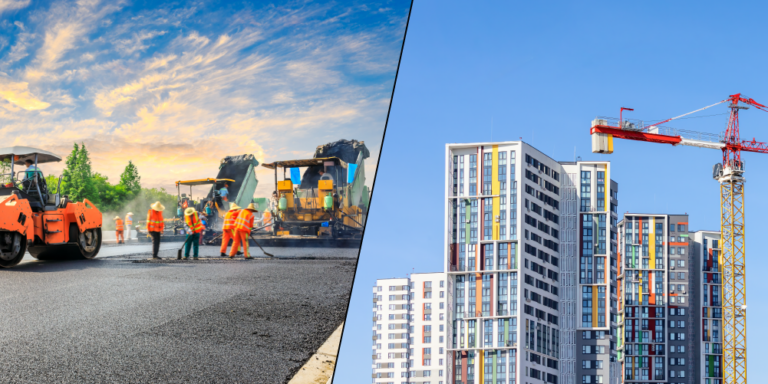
(175, 87)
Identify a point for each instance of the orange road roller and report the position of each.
(34, 219)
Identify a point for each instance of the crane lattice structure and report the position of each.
(730, 175)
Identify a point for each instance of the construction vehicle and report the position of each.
(219, 206)
(329, 201)
(37, 220)
(238, 172)
(730, 174)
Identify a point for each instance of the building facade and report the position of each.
(531, 262)
(590, 269)
(709, 298)
(670, 283)
(409, 330)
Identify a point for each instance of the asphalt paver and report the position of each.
(124, 318)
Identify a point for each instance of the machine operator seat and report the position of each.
(36, 191)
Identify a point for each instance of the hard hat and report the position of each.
(233, 207)
(157, 206)
(129, 214)
(189, 211)
(117, 218)
(252, 207)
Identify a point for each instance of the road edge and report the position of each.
(319, 368)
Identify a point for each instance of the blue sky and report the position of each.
(542, 71)
(176, 86)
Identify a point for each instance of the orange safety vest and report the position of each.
(244, 221)
(119, 225)
(194, 223)
(129, 220)
(155, 221)
(229, 220)
(184, 204)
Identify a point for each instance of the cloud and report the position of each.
(69, 25)
(177, 89)
(19, 95)
(12, 5)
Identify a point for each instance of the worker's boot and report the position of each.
(238, 254)
(223, 254)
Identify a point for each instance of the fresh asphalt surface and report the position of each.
(124, 318)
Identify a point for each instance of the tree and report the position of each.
(67, 175)
(85, 175)
(5, 171)
(130, 179)
(53, 182)
(78, 182)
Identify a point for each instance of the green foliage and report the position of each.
(5, 171)
(130, 179)
(53, 182)
(78, 178)
(110, 198)
(80, 182)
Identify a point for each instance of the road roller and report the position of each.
(35, 219)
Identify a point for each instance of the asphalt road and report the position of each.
(123, 318)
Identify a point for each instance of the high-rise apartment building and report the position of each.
(590, 266)
(709, 330)
(670, 283)
(531, 259)
(409, 330)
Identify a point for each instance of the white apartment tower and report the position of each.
(530, 254)
(409, 334)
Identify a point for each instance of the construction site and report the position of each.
(317, 202)
(306, 239)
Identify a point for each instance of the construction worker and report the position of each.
(204, 220)
(266, 221)
(224, 192)
(119, 230)
(228, 229)
(243, 227)
(273, 202)
(128, 225)
(31, 170)
(155, 226)
(195, 229)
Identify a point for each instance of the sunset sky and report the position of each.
(175, 88)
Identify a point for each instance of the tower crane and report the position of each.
(730, 174)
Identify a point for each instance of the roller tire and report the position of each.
(16, 259)
(68, 251)
(85, 254)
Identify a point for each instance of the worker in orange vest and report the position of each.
(119, 230)
(155, 226)
(128, 225)
(243, 227)
(228, 229)
(195, 229)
